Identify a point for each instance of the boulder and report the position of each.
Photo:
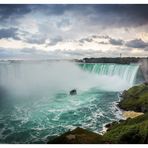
(73, 92)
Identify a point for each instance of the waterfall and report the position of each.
(47, 77)
(125, 72)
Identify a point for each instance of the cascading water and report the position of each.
(35, 104)
(125, 72)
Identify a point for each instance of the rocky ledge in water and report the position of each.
(129, 131)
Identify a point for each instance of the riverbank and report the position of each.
(132, 130)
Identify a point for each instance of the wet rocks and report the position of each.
(73, 92)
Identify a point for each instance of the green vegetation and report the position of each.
(132, 130)
(136, 99)
(129, 131)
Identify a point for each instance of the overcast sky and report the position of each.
(73, 31)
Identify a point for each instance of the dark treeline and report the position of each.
(118, 60)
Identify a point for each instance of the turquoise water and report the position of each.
(34, 112)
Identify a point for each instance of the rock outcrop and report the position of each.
(73, 92)
(78, 136)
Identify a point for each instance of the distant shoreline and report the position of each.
(116, 60)
(86, 59)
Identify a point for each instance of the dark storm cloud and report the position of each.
(18, 10)
(113, 14)
(108, 15)
(52, 9)
(116, 41)
(9, 33)
(120, 15)
(109, 40)
(137, 43)
(13, 11)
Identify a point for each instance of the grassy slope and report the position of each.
(132, 130)
(129, 131)
(136, 99)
